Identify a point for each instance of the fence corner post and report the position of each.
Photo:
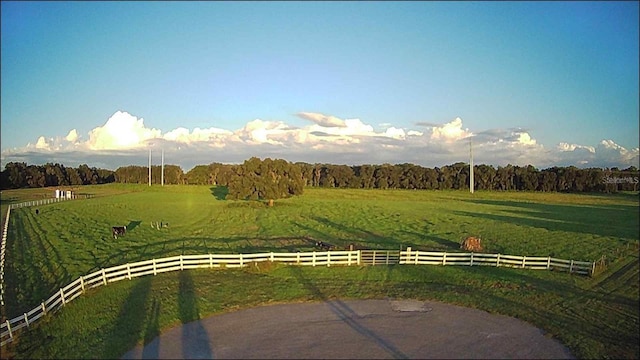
(408, 255)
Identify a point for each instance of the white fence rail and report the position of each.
(498, 260)
(5, 229)
(47, 201)
(184, 262)
(3, 247)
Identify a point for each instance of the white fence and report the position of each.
(47, 201)
(498, 260)
(3, 247)
(184, 262)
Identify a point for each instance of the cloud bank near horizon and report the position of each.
(124, 140)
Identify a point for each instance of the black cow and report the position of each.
(324, 245)
(118, 230)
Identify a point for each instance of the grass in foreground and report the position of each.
(595, 318)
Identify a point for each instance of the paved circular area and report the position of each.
(354, 329)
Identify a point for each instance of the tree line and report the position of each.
(20, 175)
(250, 179)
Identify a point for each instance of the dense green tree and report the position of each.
(267, 179)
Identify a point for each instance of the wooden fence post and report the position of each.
(9, 328)
(129, 271)
(313, 259)
(104, 277)
(328, 258)
(26, 319)
(523, 261)
(271, 257)
(593, 268)
(44, 308)
(571, 267)
(498, 261)
(241, 261)
(181, 264)
(444, 258)
(359, 257)
(471, 263)
(155, 270)
(62, 297)
(298, 259)
(548, 262)
(408, 255)
(374, 257)
(210, 260)
(82, 283)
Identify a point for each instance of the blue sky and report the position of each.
(542, 83)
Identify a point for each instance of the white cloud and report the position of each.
(572, 147)
(121, 131)
(42, 144)
(183, 135)
(72, 137)
(323, 120)
(123, 139)
(450, 132)
(525, 139)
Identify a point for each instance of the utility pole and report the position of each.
(470, 167)
(149, 167)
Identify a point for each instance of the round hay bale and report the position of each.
(472, 243)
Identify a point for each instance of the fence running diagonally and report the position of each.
(5, 229)
(185, 262)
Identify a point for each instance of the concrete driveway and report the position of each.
(354, 329)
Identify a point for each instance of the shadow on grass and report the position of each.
(219, 192)
(28, 286)
(130, 321)
(195, 339)
(606, 220)
(133, 224)
(347, 315)
(200, 246)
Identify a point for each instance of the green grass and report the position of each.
(595, 317)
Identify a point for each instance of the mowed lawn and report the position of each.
(66, 240)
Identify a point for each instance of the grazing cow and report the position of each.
(118, 230)
(324, 245)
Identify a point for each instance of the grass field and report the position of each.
(595, 317)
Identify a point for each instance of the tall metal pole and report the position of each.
(470, 167)
(149, 167)
(162, 171)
